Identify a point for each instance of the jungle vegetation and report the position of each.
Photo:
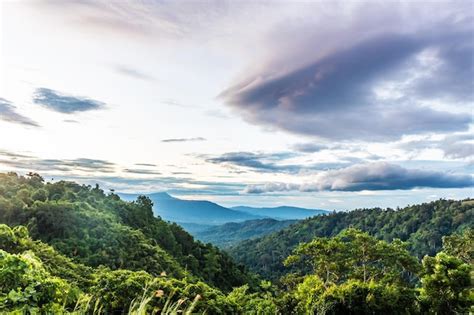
(70, 248)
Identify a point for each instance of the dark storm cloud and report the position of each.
(339, 96)
(62, 103)
(184, 139)
(8, 113)
(374, 176)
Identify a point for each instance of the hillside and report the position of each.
(231, 233)
(282, 212)
(423, 226)
(72, 249)
(94, 228)
(192, 211)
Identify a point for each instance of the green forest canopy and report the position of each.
(421, 226)
(66, 247)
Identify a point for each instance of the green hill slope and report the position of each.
(94, 228)
(229, 234)
(423, 226)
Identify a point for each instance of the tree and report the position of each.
(354, 273)
(353, 297)
(40, 195)
(26, 286)
(460, 245)
(354, 254)
(327, 256)
(446, 285)
(254, 303)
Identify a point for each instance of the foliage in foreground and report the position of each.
(56, 284)
(352, 273)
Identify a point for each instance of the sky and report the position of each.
(329, 104)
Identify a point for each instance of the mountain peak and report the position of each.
(162, 195)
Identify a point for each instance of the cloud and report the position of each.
(13, 155)
(62, 103)
(261, 162)
(8, 113)
(122, 18)
(455, 146)
(310, 147)
(373, 84)
(154, 21)
(174, 185)
(174, 103)
(91, 171)
(269, 162)
(141, 171)
(145, 164)
(133, 73)
(458, 149)
(373, 176)
(88, 164)
(184, 139)
(32, 163)
(181, 173)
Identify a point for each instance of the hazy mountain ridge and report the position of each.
(282, 212)
(198, 213)
(192, 211)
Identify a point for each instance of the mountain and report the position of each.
(423, 226)
(231, 233)
(192, 211)
(197, 215)
(283, 212)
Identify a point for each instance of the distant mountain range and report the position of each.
(193, 211)
(198, 215)
(282, 212)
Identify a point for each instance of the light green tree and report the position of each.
(446, 285)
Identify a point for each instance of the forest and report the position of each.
(421, 226)
(75, 249)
